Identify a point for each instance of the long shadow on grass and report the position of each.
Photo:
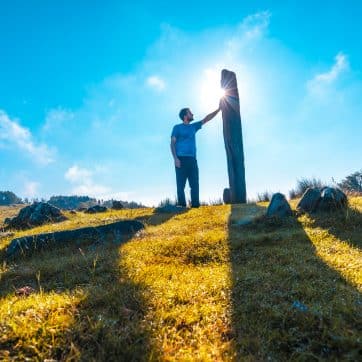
(345, 225)
(110, 321)
(286, 302)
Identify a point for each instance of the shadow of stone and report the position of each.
(110, 320)
(345, 225)
(287, 303)
(157, 218)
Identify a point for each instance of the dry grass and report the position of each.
(192, 286)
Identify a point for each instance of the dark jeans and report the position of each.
(188, 170)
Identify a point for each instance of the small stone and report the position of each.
(95, 209)
(226, 196)
(332, 199)
(309, 201)
(279, 206)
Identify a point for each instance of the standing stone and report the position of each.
(332, 199)
(309, 201)
(233, 140)
(279, 206)
(226, 196)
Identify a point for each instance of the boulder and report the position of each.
(117, 205)
(332, 199)
(279, 207)
(325, 199)
(38, 213)
(226, 196)
(116, 232)
(309, 201)
(95, 209)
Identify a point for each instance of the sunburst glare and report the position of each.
(210, 90)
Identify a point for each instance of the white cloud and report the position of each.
(56, 118)
(83, 182)
(31, 189)
(255, 25)
(75, 174)
(321, 84)
(252, 28)
(341, 64)
(91, 189)
(156, 83)
(12, 133)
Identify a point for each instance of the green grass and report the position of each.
(192, 286)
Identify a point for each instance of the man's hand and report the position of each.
(177, 163)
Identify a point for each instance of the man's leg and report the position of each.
(194, 183)
(181, 176)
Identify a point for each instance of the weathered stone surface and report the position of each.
(38, 213)
(117, 205)
(170, 209)
(326, 199)
(309, 201)
(115, 232)
(226, 196)
(95, 209)
(233, 140)
(332, 199)
(279, 207)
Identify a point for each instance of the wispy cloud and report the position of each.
(321, 85)
(249, 31)
(77, 174)
(12, 133)
(340, 65)
(156, 83)
(56, 118)
(255, 25)
(31, 189)
(83, 183)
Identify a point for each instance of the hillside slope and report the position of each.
(192, 286)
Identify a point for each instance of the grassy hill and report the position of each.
(192, 286)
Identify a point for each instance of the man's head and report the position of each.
(186, 115)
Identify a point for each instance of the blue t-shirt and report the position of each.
(185, 138)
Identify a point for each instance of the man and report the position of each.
(183, 148)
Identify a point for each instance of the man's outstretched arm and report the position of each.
(210, 116)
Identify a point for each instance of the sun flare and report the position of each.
(210, 90)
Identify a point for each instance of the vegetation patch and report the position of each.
(191, 286)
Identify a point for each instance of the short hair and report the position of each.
(183, 113)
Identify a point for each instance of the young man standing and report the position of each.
(183, 148)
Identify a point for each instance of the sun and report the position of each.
(210, 91)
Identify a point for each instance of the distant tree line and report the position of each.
(64, 202)
(352, 184)
(9, 198)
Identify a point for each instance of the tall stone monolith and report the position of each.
(230, 107)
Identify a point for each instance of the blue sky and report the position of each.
(90, 90)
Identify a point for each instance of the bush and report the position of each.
(352, 183)
(167, 202)
(303, 184)
(264, 196)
